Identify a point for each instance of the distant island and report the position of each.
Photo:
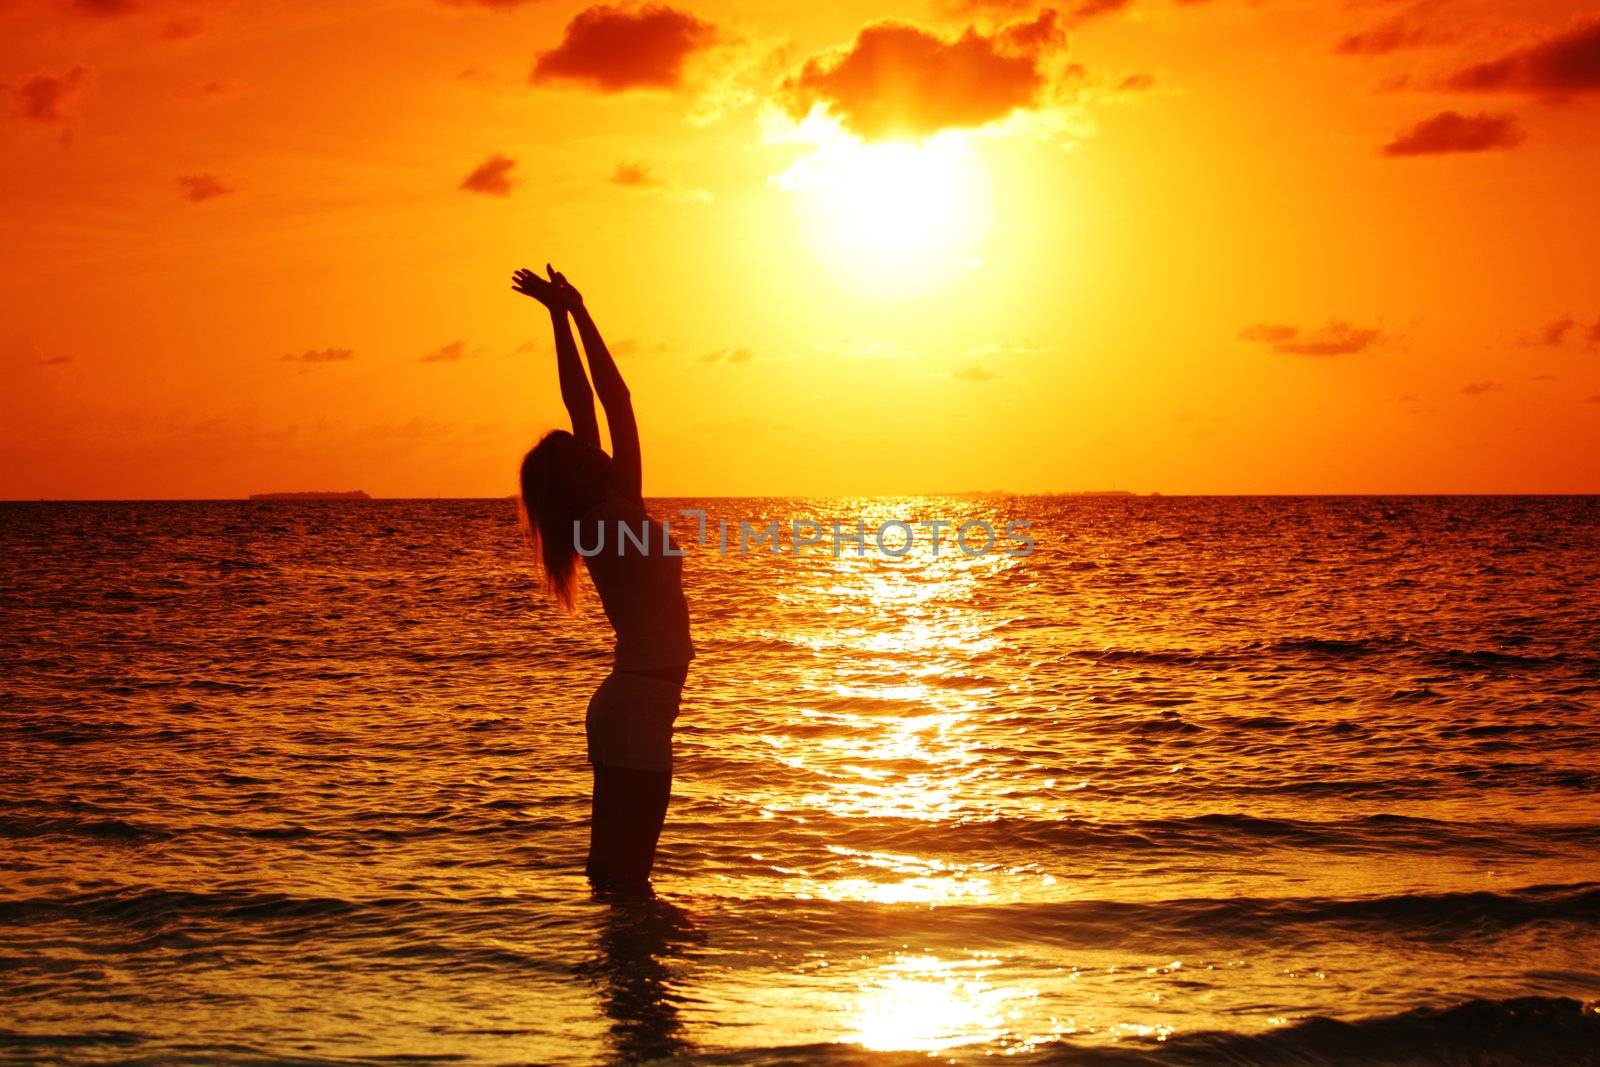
(355, 494)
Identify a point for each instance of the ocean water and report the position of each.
(1228, 780)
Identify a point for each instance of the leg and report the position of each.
(628, 809)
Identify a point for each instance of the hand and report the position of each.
(547, 293)
(573, 298)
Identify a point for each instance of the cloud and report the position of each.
(637, 175)
(900, 79)
(1088, 9)
(1451, 131)
(1479, 388)
(613, 49)
(55, 361)
(320, 355)
(1335, 338)
(491, 177)
(1078, 12)
(182, 27)
(498, 5)
(1595, 399)
(728, 355)
(453, 352)
(973, 373)
(209, 89)
(201, 187)
(1566, 63)
(1137, 83)
(640, 177)
(1556, 333)
(1551, 335)
(1391, 36)
(102, 7)
(51, 97)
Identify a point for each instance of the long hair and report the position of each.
(547, 517)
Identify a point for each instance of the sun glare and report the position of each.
(892, 218)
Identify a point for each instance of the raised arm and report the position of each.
(575, 392)
(626, 466)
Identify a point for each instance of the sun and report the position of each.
(892, 218)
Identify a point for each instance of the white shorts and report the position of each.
(630, 721)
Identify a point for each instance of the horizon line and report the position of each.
(1108, 493)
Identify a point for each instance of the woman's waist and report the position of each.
(678, 673)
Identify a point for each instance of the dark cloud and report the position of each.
(1391, 36)
(1451, 131)
(200, 187)
(1075, 12)
(55, 361)
(1553, 334)
(453, 352)
(1558, 332)
(637, 175)
(101, 7)
(1137, 83)
(1479, 388)
(728, 355)
(50, 97)
(1335, 338)
(492, 176)
(208, 90)
(614, 49)
(1566, 63)
(1088, 9)
(973, 374)
(899, 79)
(1595, 399)
(182, 27)
(643, 179)
(320, 355)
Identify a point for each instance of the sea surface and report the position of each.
(1197, 781)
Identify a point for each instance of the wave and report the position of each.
(1532, 1031)
(1513, 1032)
(1522, 1030)
(1225, 832)
(1448, 917)
(1077, 921)
(1335, 649)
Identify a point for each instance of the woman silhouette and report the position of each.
(572, 494)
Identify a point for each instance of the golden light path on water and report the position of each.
(900, 734)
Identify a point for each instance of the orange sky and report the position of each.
(1224, 246)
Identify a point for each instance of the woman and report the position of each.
(573, 495)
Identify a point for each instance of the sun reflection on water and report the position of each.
(927, 1004)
